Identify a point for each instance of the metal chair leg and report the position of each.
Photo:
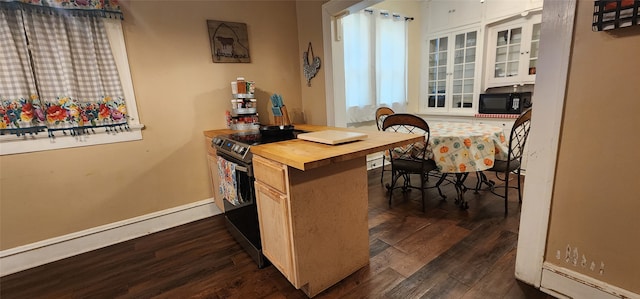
(506, 193)
(423, 180)
(394, 178)
(382, 173)
(519, 188)
(442, 178)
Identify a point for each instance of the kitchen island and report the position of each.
(312, 205)
(312, 202)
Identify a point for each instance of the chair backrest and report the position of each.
(412, 124)
(381, 114)
(519, 134)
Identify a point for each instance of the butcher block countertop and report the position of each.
(304, 155)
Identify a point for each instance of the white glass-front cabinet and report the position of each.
(512, 52)
(451, 73)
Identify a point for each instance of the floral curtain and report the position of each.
(98, 8)
(68, 83)
(20, 108)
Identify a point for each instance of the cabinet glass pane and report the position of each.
(432, 73)
(457, 101)
(460, 41)
(432, 101)
(471, 39)
(442, 73)
(433, 61)
(442, 58)
(469, 70)
(514, 52)
(442, 86)
(512, 69)
(457, 71)
(440, 101)
(502, 38)
(468, 100)
(535, 34)
(433, 45)
(468, 86)
(432, 87)
(501, 54)
(459, 56)
(443, 44)
(500, 70)
(457, 86)
(532, 66)
(534, 50)
(516, 36)
(470, 55)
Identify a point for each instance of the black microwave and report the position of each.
(504, 103)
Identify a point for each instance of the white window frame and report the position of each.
(11, 144)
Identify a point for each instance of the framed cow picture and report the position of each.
(229, 41)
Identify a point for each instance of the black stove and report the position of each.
(234, 156)
(238, 145)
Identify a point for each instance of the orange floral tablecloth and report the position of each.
(465, 147)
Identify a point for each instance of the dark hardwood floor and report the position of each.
(443, 253)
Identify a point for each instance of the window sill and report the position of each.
(11, 144)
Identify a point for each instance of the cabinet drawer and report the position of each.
(270, 173)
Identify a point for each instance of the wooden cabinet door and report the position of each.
(444, 15)
(275, 231)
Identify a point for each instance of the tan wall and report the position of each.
(309, 14)
(595, 203)
(180, 94)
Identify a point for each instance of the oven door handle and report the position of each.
(241, 168)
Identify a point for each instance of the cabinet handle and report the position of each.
(273, 194)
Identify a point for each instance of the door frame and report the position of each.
(551, 80)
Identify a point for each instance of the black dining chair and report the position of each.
(381, 115)
(503, 168)
(411, 158)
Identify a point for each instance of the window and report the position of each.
(375, 63)
(63, 47)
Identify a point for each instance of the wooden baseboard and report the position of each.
(564, 283)
(35, 254)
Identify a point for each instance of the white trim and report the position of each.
(565, 283)
(11, 144)
(35, 254)
(119, 51)
(553, 64)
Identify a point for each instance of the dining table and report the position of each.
(460, 148)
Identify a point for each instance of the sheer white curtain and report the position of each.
(375, 46)
(358, 62)
(391, 60)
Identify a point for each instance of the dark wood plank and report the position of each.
(443, 253)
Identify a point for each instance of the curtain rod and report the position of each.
(386, 14)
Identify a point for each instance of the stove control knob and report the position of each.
(241, 150)
(235, 148)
